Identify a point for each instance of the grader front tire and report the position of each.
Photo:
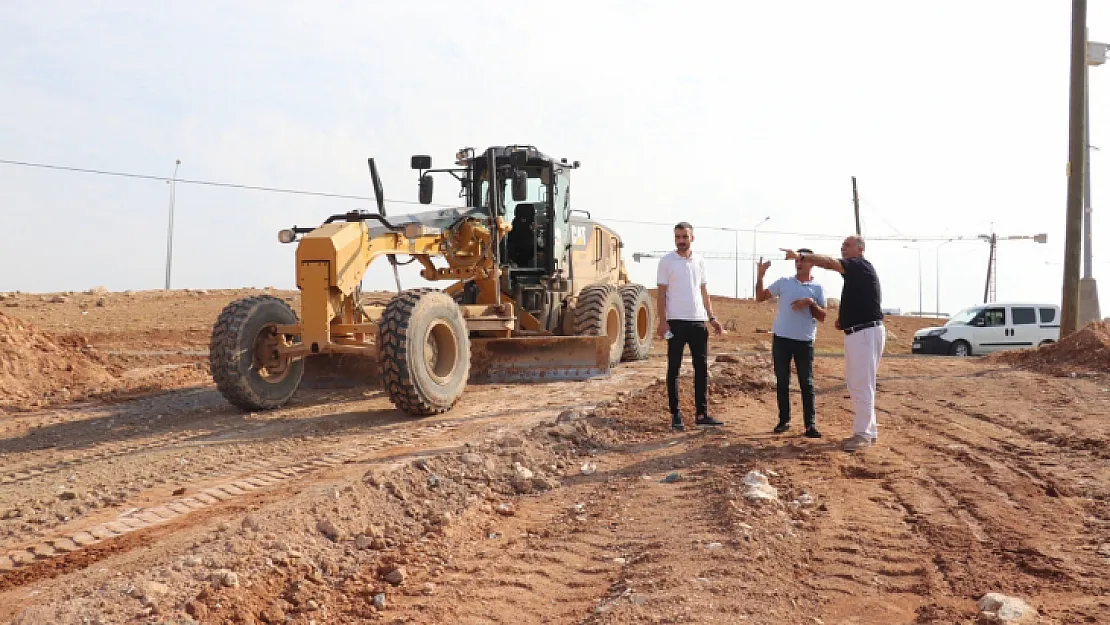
(639, 322)
(425, 351)
(600, 312)
(245, 365)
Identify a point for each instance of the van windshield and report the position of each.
(964, 316)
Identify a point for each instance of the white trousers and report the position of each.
(862, 352)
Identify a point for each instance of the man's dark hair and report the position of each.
(683, 225)
(805, 250)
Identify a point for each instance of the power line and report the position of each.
(811, 235)
(208, 183)
(230, 185)
(880, 216)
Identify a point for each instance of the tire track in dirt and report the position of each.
(990, 499)
(215, 485)
(67, 545)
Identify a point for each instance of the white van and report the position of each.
(989, 328)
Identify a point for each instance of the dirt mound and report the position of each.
(1086, 351)
(36, 369)
(644, 413)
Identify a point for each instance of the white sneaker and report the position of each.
(859, 441)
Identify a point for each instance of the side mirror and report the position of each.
(520, 185)
(426, 189)
(518, 158)
(978, 322)
(421, 162)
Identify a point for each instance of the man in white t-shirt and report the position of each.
(685, 307)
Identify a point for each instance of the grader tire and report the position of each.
(639, 322)
(240, 354)
(600, 312)
(425, 351)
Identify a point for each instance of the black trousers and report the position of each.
(783, 350)
(696, 335)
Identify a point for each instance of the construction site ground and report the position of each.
(130, 492)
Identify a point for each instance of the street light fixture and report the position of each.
(169, 234)
(754, 261)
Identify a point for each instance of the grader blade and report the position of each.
(538, 358)
(324, 371)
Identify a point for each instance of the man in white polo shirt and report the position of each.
(684, 302)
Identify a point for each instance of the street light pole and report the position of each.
(754, 262)
(1088, 289)
(920, 305)
(938, 274)
(736, 263)
(169, 233)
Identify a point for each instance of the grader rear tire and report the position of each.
(425, 351)
(639, 322)
(600, 312)
(242, 356)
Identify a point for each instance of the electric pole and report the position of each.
(855, 202)
(1077, 168)
(990, 292)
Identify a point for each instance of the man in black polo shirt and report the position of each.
(861, 320)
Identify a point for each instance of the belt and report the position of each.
(862, 326)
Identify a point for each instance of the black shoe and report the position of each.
(676, 423)
(706, 420)
(811, 432)
(782, 427)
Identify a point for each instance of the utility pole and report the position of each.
(990, 291)
(1077, 168)
(855, 202)
(169, 232)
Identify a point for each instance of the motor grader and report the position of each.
(538, 291)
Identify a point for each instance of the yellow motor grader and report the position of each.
(538, 291)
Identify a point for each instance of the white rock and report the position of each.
(471, 458)
(998, 608)
(521, 472)
(569, 415)
(229, 578)
(758, 488)
(588, 468)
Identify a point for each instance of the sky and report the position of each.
(952, 115)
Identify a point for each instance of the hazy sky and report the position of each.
(951, 114)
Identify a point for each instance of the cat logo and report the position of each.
(578, 236)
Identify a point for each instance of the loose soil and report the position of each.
(1085, 352)
(147, 499)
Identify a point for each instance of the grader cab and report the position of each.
(537, 292)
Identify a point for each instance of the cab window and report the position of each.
(1024, 315)
(991, 317)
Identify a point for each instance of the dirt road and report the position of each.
(552, 503)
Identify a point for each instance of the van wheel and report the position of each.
(961, 348)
